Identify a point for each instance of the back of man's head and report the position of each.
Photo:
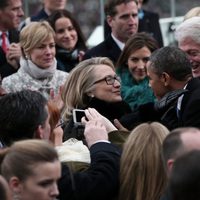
(20, 115)
(184, 181)
(177, 143)
(173, 61)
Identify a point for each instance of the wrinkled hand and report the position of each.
(13, 54)
(95, 131)
(169, 99)
(93, 114)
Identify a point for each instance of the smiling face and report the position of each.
(192, 49)
(44, 53)
(11, 15)
(42, 185)
(103, 91)
(137, 63)
(66, 35)
(125, 23)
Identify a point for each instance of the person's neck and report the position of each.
(3, 29)
(48, 11)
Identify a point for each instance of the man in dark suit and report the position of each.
(48, 8)
(122, 17)
(149, 22)
(169, 69)
(10, 15)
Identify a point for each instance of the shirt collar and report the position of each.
(119, 43)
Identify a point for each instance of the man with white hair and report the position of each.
(188, 37)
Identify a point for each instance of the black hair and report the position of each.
(21, 114)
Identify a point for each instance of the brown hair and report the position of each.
(22, 156)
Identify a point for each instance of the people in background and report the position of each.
(10, 15)
(131, 68)
(70, 42)
(122, 17)
(192, 13)
(37, 64)
(149, 22)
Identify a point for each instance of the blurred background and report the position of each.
(90, 15)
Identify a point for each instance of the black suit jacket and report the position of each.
(100, 181)
(190, 105)
(107, 48)
(5, 68)
(150, 24)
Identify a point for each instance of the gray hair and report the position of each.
(190, 28)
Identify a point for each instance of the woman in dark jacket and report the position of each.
(93, 83)
(70, 41)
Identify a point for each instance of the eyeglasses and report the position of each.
(109, 80)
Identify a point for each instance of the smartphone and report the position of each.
(77, 115)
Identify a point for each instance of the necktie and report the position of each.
(4, 46)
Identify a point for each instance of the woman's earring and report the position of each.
(26, 57)
(92, 95)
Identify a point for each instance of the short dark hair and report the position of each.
(110, 6)
(21, 114)
(184, 182)
(64, 13)
(4, 4)
(173, 61)
(173, 146)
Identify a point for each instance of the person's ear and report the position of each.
(90, 94)
(170, 164)
(39, 132)
(109, 20)
(165, 78)
(15, 185)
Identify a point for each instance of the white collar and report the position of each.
(119, 43)
(180, 99)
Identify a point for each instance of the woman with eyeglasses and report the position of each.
(93, 83)
(131, 67)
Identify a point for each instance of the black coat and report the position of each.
(100, 181)
(107, 48)
(188, 116)
(150, 23)
(66, 61)
(109, 110)
(5, 68)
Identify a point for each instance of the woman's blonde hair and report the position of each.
(79, 83)
(192, 13)
(142, 173)
(34, 34)
(20, 159)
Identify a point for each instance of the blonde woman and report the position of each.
(93, 83)
(38, 64)
(142, 174)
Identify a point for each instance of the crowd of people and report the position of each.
(141, 105)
